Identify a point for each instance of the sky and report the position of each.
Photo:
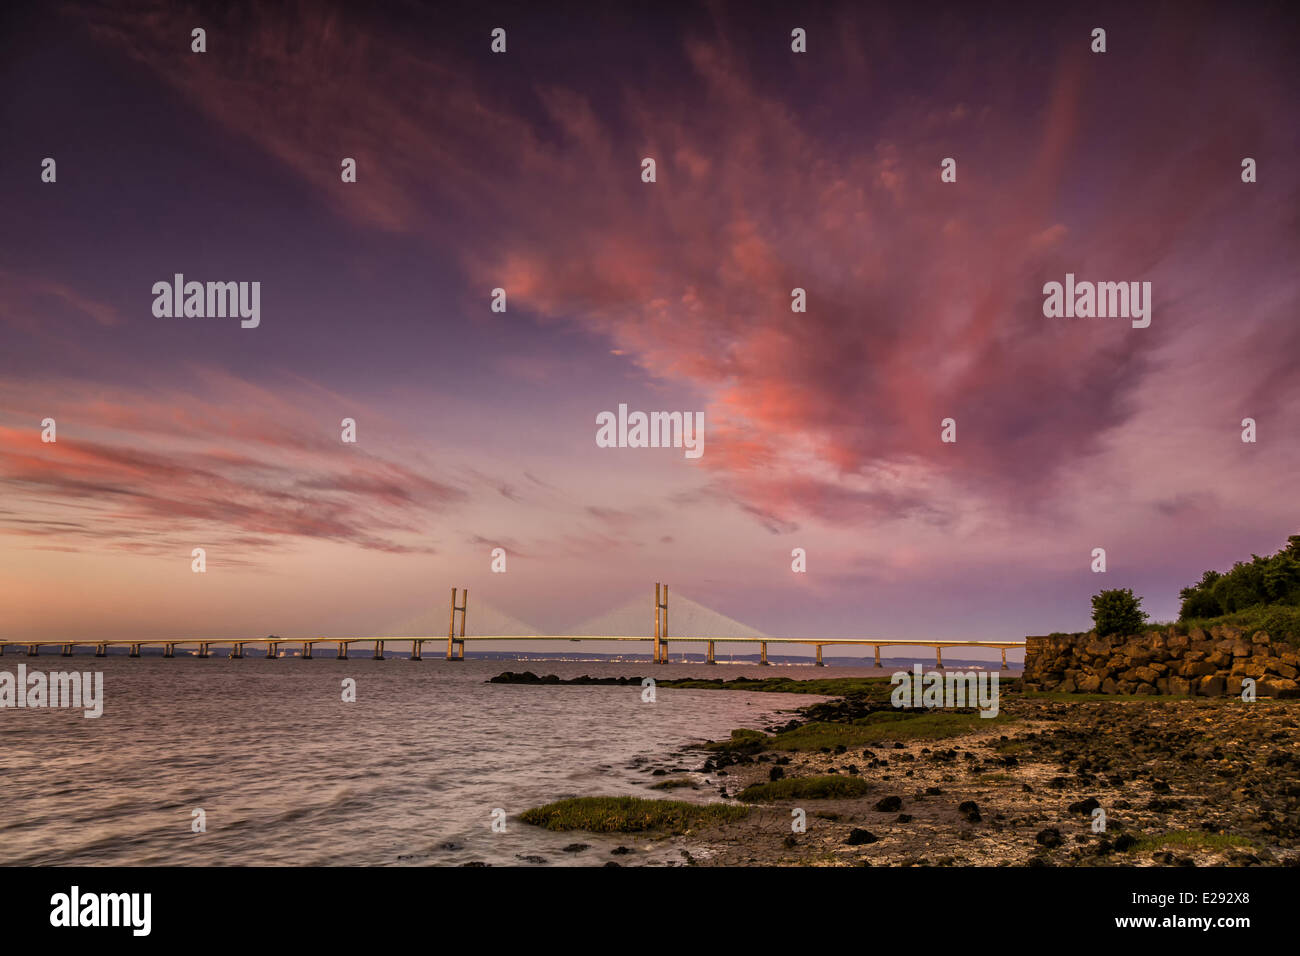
(522, 170)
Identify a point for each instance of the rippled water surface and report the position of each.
(288, 773)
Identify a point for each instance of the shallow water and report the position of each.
(289, 774)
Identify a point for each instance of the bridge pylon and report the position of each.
(456, 645)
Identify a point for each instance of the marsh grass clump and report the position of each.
(871, 688)
(871, 729)
(630, 815)
(742, 741)
(829, 787)
(887, 725)
(1192, 839)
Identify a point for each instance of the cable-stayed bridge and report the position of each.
(690, 623)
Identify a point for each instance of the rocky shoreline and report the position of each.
(1180, 781)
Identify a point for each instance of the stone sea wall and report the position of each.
(1163, 661)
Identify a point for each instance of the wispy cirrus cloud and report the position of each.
(924, 298)
(140, 471)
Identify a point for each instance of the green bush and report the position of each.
(1117, 611)
(1273, 580)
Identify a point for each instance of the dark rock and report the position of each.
(1050, 837)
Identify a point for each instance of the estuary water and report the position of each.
(287, 773)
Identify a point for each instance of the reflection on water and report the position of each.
(287, 773)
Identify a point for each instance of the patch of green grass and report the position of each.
(674, 784)
(630, 815)
(874, 687)
(1191, 839)
(1282, 622)
(741, 741)
(829, 787)
(886, 717)
(934, 725)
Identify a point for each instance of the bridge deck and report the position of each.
(228, 641)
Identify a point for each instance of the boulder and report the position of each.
(1277, 687)
(1213, 685)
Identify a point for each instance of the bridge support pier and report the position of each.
(417, 650)
(343, 651)
(1004, 658)
(306, 650)
(236, 652)
(169, 650)
(379, 650)
(708, 658)
(135, 650)
(33, 650)
(101, 650)
(272, 650)
(456, 646)
(938, 657)
(877, 655)
(205, 651)
(819, 656)
(762, 654)
(67, 651)
(660, 653)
